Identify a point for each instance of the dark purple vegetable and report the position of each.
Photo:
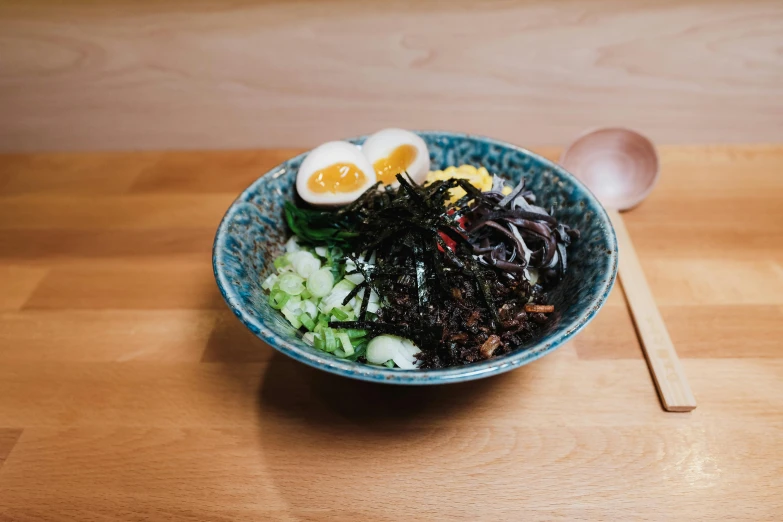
(513, 235)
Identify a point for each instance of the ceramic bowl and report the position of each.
(253, 231)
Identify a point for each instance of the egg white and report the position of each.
(324, 156)
(382, 144)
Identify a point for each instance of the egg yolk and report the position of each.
(386, 169)
(340, 177)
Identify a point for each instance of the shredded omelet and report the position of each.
(478, 177)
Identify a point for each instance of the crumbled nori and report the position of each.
(447, 300)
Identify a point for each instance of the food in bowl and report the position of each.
(443, 269)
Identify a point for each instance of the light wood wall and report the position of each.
(122, 74)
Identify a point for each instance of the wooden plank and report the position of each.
(215, 171)
(610, 335)
(150, 75)
(127, 335)
(17, 283)
(698, 282)
(719, 171)
(57, 245)
(235, 474)
(140, 211)
(8, 439)
(726, 330)
(128, 286)
(64, 173)
(559, 390)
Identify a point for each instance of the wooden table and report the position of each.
(128, 390)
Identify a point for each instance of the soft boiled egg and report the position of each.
(335, 173)
(393, 151)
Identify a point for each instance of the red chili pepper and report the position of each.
(446, 239)
(449, 242)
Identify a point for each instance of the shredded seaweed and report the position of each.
(452, 278)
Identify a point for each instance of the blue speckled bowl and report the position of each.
(253, 230)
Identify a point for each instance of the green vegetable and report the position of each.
(321, 282)
(292, 317)
(346, 343)
(307, 321)
(281, 261)
(278, 299)
(355, 334)
(339, 314)
(269, 282)
(291, 284)
(330, 342)
(311, 301)
(316, 226)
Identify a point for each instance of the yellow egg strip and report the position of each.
(478, 177)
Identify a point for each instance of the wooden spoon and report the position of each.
(620, 167)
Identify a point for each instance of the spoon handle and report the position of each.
(665, 366)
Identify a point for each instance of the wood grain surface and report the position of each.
(128, 391)
(123, 74)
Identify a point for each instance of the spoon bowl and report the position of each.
(618, 165)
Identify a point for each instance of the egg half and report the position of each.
(335, 173)
(392, 151)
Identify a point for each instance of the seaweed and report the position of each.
(449, 276)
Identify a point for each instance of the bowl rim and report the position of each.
(371, 373)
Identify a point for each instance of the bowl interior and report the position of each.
(253, 231)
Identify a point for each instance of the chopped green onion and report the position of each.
(338, 352)
(319, 343)
(359, 351)
(278, 299)
(321, 282)
(304, 263)
(355, 334)
(339, 314)
(292, 318)
(281, 261)
(346, 342)
(291, 284)
(330, 343)
(307, 321)
(269, 282)
(389, 364)
(310, 307)
(336, 296)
